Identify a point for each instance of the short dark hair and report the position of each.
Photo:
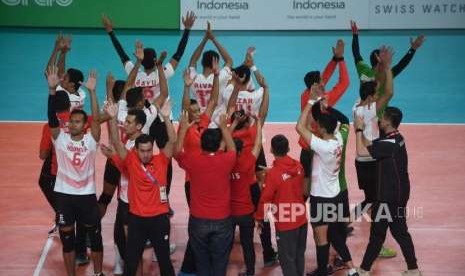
(393, 115)
(76, 77)
(149, 58)
(242, 72)
(118, 89)
(328, 122)
(239, 144)
(62, 102)
(141, 118)
(79, 111)
(211, 139)
(311, 78)
(207, 58)
(143, 139)
(280, 145)
(134, 96)
(373, 58)
(239, 113)
(367, 88)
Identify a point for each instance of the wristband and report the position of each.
(337, 59)
(253, 68)
(358, 130)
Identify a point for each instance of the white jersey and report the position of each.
(370, 119)
(325, 166)
(249, 101)
(76, 100)
(202, 87)
(150, 112)
(150, 83)
(76, 164)
(124, 181)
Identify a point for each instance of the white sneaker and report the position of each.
(172, 250)
(413, 272)
(362, 272)
(119, 263)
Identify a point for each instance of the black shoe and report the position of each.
(82, 259)
(338, 264)
(271, 260)
(330, 271)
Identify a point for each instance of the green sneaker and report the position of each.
(387, 253)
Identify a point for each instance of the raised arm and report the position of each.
(300, 127)
(213, 101)
(91, 85)
(188, 22)
(188, 81)
(355, 43)
(258, 138)
(53, 57)
(161, 99)
(165, 112)
(139, 54)
(228, 61)
(227, 138)
(184, 125)
(53, 81)
(385, 57)
(198, 51)
(65, 46)
(341, 86)
(263, 111)
(112, 110)
(116, 44)
(414, 45)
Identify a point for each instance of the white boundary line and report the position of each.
(277, 123)
(43, 256)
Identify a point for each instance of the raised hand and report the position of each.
(107, 23)
(184, 121)
(165, 110)
(52, 77)
(110, 82)
(139, 54)
(209, 34)
(353, 26)
(338, 51)
(111, 109)
(188, 20)
(249, 62)
(91, 82)
(66, 43)
(108, 151)
(188, 81)
(385, 56)
(58, 41)
(415, 44)
(215, 66)
(161, 58)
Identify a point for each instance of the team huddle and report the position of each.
(218, 143)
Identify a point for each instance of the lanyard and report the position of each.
(149, 175)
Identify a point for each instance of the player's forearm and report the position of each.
(51, 113)
(228, 140)
(224, 54)
(356, 48)
(198, 51)
(233, 99)
(160, 100)
(52, 59)
(402, 64)
(182, 45)
(264, 106)
(119, 49)
(62, 63)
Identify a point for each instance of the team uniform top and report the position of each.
(124, 181)
(149, 83)
(326, 166)
(370, 119)
(76, 100)
(202, 87)
(150, 112)
(243, 175)
(76, 164)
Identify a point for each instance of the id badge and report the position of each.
(163, 195)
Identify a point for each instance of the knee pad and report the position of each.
(95, 237)
(67, 239)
